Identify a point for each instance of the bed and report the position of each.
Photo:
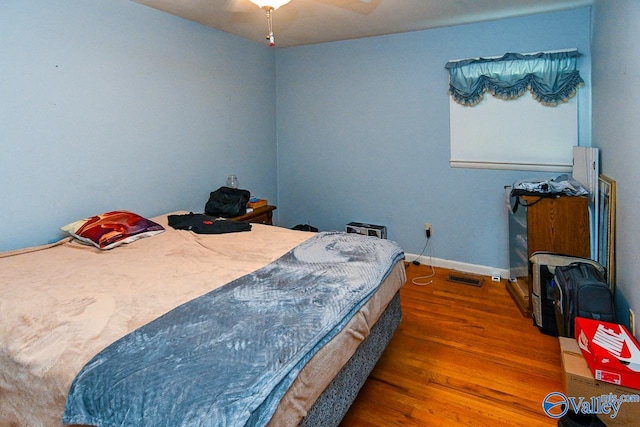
(96, 337)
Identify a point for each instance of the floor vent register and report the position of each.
(465, 278)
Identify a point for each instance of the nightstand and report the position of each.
(261, 215)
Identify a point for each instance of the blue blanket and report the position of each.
(227, 358)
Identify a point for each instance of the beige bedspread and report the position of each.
(61, 305)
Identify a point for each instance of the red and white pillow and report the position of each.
(111, 229)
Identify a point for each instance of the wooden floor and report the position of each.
(462, 356)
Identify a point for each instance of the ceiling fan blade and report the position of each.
(363, 7)
(239, 6)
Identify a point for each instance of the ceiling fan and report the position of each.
(269, 6)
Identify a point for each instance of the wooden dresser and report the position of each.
(559, 224)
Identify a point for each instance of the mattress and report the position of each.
(63, 303)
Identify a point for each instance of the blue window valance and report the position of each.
(552, 78)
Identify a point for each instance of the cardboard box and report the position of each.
(611, 352)
(583, 390)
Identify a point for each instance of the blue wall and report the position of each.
(616, 131)
(113, 105)
(363, 134)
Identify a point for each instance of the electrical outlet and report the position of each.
(632, 322)
(427, 229)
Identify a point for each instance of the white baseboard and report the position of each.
(459, 266)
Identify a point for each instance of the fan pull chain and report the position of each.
(270, 36)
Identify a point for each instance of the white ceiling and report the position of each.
(316, 21)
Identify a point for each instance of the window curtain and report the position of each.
(551, 78)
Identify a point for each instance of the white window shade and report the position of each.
(519, 134)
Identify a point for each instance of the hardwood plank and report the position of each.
(463, 355)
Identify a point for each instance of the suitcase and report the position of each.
(581, 291)
(543, 267)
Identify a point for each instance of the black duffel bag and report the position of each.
(227, 202)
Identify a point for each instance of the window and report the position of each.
(509, 130)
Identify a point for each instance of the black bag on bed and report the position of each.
(204, 224)
(227, 202)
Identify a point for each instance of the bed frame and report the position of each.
(334, 402)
